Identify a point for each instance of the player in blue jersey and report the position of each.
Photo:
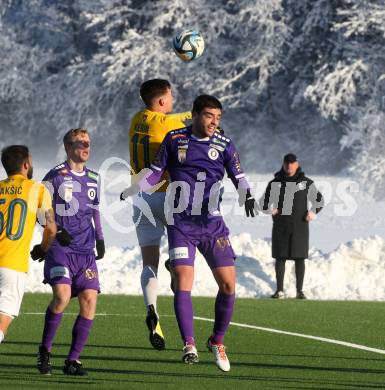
(197, 158)
(70, 266)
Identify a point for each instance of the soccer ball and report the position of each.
(188, 45)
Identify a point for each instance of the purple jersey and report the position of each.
(75, 201)
(201, 164)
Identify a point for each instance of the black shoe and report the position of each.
(74, 367)
(156, 335)
(278, 295)
(300, 295)
(167, 264)
(43, 361)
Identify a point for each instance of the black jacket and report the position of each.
(292, 196)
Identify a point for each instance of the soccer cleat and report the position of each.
(74, 367)
(300, 295)
(43, 361)
(278, 295)
(219, 352)
(190, 354)
(156, 335)
(167, 264)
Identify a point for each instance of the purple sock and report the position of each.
(224, 305)
(80, 332)
(51, 324)
(184, 315)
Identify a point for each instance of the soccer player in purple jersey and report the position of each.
(70, 266)
(196, 158)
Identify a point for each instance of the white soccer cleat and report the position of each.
(190, 354)
(219, 352)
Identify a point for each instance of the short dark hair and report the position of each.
(205, 101)
(67, 139)
(13, 157)
(152, 89)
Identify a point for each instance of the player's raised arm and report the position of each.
(237, 176)
(180, 116)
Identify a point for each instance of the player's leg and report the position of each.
(220, 256)
(80, 331)
(5, 321)
(182, 254)
(299, 275)
(12, 284)
(85, 285)
(279, 275)
(150, 230)
(53, 316)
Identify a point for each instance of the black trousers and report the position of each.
(299, 273)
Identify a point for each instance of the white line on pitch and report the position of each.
(326, 340)
(271, 330)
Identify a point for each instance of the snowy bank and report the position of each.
(354, 271)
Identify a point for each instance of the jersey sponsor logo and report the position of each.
(92, 175)
(91, 193)
(219, 142)
(222, 242)
(218, 147)
(67, 178)
(213, 154)
(59, 272)
(179, 253)
(90, 274)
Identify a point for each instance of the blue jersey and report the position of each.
(200, 163)
(75, 200)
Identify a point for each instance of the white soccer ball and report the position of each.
(189, 45)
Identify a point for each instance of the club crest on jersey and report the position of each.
(213, 154)
(91, 193)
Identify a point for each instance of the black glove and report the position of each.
(37, 253)
(249, 205)
(100, 249)
(122, 197)
(63, 237)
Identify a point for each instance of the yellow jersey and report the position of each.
(20, 199)
(147, 131)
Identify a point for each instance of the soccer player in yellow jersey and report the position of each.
(147, 131)
(20, 199)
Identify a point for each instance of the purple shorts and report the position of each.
(78, 270)
(210, 237)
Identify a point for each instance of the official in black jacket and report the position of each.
(293, 201)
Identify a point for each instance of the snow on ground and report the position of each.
(346, 260)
